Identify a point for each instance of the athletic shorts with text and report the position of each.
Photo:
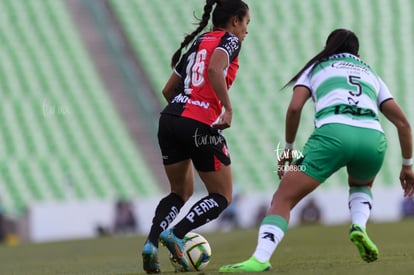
(182, 138)
(333, 146)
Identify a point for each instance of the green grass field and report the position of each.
(305, 250)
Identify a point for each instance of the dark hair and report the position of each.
(224, 10)
(338, 41)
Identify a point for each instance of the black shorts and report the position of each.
(182, 138)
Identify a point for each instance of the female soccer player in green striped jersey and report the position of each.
(348, 94)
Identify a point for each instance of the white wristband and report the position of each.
(407, 162)
(288, 146)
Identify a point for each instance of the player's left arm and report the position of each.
(393, 113)
(218, 63)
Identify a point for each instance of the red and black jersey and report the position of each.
(194, 97)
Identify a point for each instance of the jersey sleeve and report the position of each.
(304, 79)
(383, 93)
(231, 45)
(179, 67)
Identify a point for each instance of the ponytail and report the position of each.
(208, 7)
(338, 41)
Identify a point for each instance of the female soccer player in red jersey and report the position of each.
(190, 127)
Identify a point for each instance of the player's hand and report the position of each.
(407, 180)
(285, 159)
(224, 120)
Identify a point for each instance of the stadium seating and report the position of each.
(283, 35)
(61, 137)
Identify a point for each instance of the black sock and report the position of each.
(202, 212)
(166, 211)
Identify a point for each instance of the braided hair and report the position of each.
(224, 10)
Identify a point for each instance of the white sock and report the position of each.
(268, 239)
(360, 207)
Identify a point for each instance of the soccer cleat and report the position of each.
(175, 246)
(150, 258)
(251, 265)
(367, 249)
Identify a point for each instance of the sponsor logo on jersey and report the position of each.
(349, 65)
(208, 38)
(232, 44)
(186, 100)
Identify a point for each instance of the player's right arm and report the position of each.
(170, 86)
(300, 95)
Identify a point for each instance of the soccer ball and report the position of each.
(197, 252)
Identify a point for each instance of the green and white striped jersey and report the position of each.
(345, 90)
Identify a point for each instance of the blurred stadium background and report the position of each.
(81, 81)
